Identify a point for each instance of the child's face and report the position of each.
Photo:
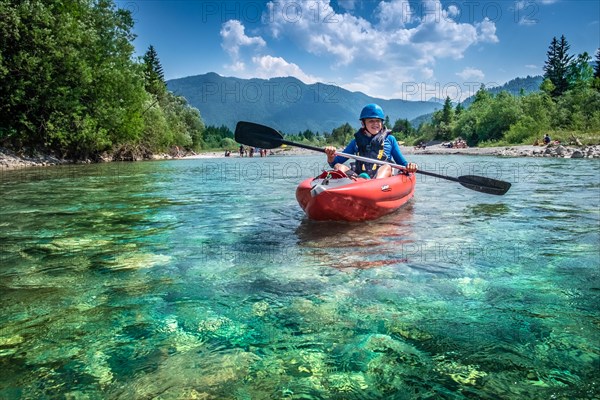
(372, 125)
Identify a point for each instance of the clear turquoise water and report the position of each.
(202, 279)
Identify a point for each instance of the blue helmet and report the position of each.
(372, 111)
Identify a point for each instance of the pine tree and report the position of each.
(482, 95)
(387, 124)
(447, 111)
(556, 67)
(153, 72)
(458, 110)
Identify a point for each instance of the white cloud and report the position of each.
(237, 66)
(315, 27)
(486, 31)
(375, 54)
(393, 15)
(347, 39)
(271, 67)
(471, 74)
(233, 37)
(397, 82)
(258, 66)
(453, 11)
(527, 21)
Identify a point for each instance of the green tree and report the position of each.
(442, 121)
(77, 90)
(596, 81)
(404, 127)
(69, 83)
(341, 135)
(482, 95)
(214, 136)
(547, 87)
(467, 125)
(154, 78)
(488, 118)
(459, 109)
(447, 111)
(386, 123)
(308, 135)
(580, 72)
(537, 110)
(578, 110)
(556, 67)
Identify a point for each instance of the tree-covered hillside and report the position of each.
(69, 83)
(567, 107)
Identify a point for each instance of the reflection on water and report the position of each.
(359, 245)
(202, 279)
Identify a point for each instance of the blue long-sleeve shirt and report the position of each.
(390, 148)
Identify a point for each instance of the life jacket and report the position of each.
(370, 147)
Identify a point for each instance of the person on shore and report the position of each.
(546, 139)
(371, 141)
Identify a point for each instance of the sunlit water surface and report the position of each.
(202, 279)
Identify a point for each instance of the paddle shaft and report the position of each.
(369, 160)
(252, 134)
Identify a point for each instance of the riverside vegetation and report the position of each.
(72, 89)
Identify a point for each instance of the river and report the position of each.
(202, 279)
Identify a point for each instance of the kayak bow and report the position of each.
(334, 196)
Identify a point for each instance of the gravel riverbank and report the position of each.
(12, 160)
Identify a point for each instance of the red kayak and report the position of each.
(335, 196)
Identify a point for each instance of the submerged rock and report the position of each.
(408, 331)
(463, 374)
(11, 340)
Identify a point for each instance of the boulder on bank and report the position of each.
(129, 152)
(9, 159)
(558, 151)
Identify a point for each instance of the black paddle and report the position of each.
(262, 136)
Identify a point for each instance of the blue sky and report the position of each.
(411, 50)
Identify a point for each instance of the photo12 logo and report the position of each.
(270, 91)
(257, 11)
(246, 11)
(269, 171)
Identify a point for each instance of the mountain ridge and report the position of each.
(286, 103)
(291, 106)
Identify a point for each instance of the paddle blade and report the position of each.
(257, 135)
(484, 185)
